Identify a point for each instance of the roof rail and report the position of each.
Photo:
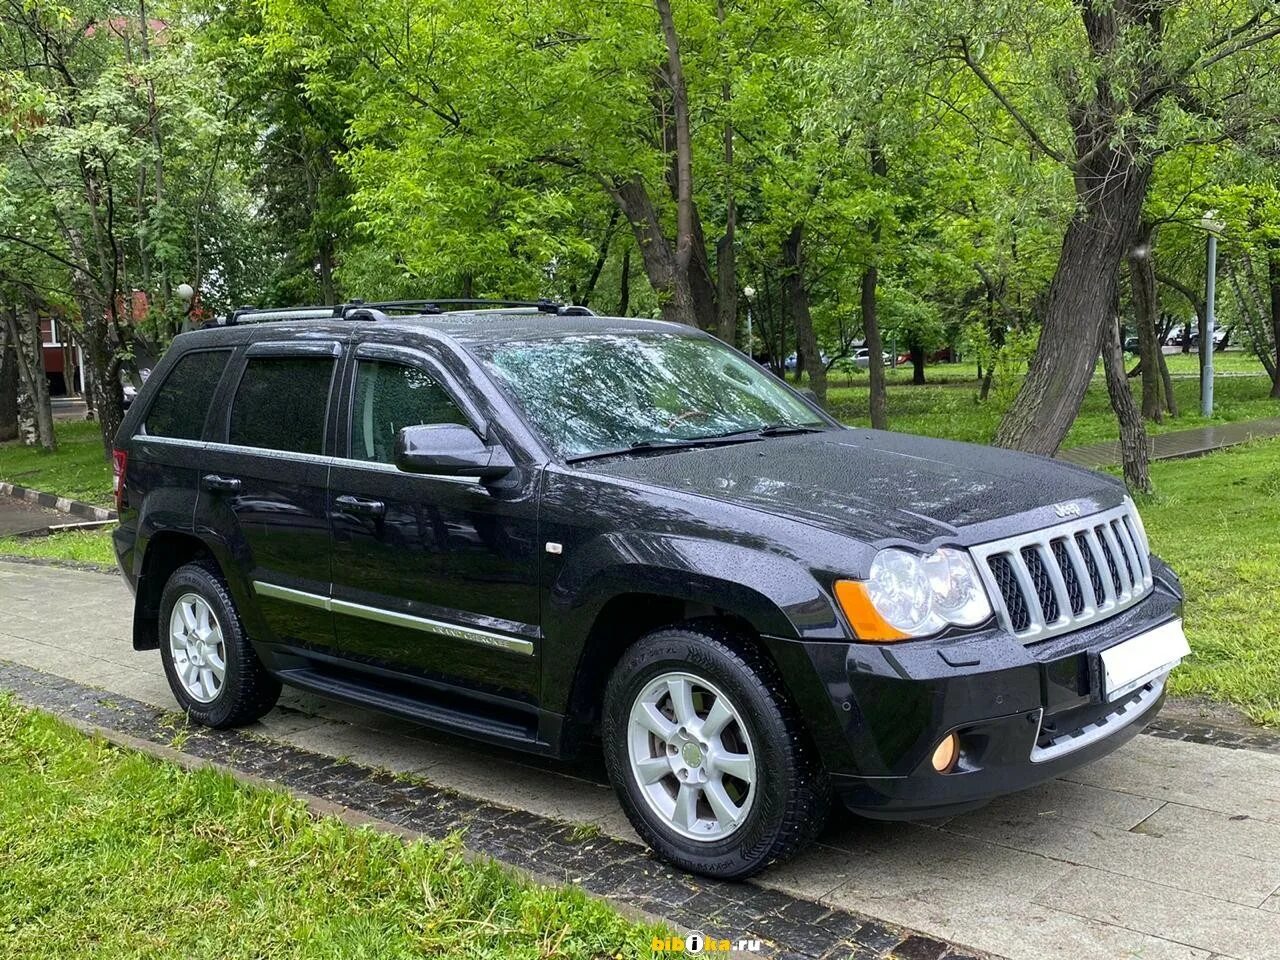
(360, 310)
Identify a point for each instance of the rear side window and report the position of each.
(281, 403)
(181, 405)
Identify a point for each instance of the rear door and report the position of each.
(264, 485)
(166, 452)
(432, 575)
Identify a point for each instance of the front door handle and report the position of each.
(217, 484)
(361, 507)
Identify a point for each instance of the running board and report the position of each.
(366, 691)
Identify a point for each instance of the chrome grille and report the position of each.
(1058, 579)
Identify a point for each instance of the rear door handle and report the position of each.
(361, 507)
(217, 484)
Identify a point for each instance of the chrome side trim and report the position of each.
(485, 638)
(438, 627)
(301, 597)
(169, 441)
(1124, 714)
(302, 457)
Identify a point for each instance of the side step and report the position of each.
(449, 712)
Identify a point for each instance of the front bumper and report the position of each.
(1023, 714)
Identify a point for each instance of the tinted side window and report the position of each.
(180, 408)
(281, 403)
(390, 396)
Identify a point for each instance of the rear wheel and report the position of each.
(212, 669)
(706, 754)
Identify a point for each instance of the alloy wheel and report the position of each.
(691, 756)
(198, 648)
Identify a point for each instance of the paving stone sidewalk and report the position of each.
(1170, 848)
(1178, 443)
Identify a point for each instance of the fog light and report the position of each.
(945, 753)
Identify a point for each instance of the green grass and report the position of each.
(953, 411)
(77, 469)
(82, 546)
(1216, 521)
(108, 853)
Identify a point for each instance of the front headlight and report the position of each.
(909, 595)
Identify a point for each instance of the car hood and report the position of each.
(877, 485)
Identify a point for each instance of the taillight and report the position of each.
(119, 462)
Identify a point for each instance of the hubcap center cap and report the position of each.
(692, 755)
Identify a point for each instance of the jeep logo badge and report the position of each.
(1065, 510)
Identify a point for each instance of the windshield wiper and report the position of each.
(783, 429)
(771, 430)
(641, 447)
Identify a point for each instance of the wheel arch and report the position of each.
(165, 552)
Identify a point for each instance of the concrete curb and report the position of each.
(76, 508)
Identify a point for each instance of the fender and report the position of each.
(778, 597)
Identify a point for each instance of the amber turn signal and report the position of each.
(862, 615)
(945, 753)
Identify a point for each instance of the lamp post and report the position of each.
(186, 293)
(1212, 226)
(749, 292)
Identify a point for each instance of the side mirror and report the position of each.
(450, 449)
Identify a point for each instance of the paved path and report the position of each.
(1167, 849)
(1179, 443)
(19, 516)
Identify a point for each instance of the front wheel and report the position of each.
(706, 754)
(212, 669)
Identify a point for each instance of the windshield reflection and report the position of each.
(599, 393)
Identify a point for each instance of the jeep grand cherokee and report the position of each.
(542, 528)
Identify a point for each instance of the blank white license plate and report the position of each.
(1139, 660)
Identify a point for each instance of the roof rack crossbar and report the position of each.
(360, 310)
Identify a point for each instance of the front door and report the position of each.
(432, 575)
(264, 479)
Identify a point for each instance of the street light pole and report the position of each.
(1212, 227)
(749, 292)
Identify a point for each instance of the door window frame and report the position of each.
(233, 377)
(415, 359)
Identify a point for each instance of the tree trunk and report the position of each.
(726, 252)
(985, 390)
(1273, 282)
(602, 257)
(878, 407)
(24, 333)
(624, 284)
(660, 264)
(328, 289)
(917, 362)
(685, 239)
(8, 388)
(797, 301)
(1142, 282)
(1166, 382)
(1133, 433)
(1081, 296)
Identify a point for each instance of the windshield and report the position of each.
(597, 393)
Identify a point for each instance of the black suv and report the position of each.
(539, 528)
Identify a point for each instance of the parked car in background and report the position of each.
(548, 530)
(862, 358)
(129, 391)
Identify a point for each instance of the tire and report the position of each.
(787, 794)
(200, 628)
